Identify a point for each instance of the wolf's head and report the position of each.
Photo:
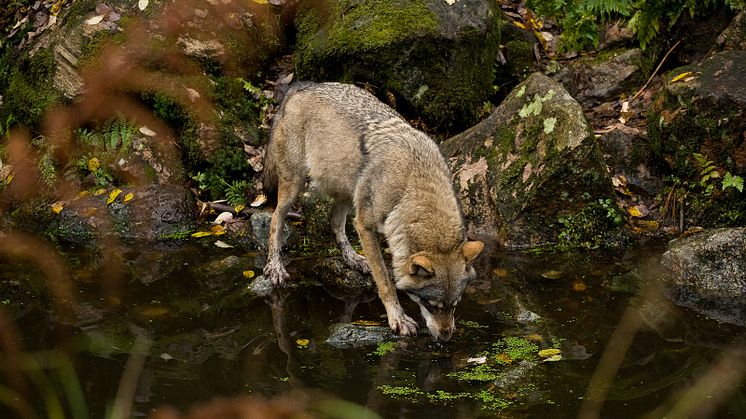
(436, 281)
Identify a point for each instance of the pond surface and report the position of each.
(207, 335)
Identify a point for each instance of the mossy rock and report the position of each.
(154, 213)
(705, 113)
(435, 58)
(531, 164)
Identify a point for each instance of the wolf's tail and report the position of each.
(269, 175)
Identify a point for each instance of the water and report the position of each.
(210, 337)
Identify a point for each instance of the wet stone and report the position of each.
(515, 375)
(346, 335)
(338, 278)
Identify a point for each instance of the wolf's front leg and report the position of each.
(398, 320)
(287, 191)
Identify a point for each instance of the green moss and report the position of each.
(401, 392)
(27, 90)
(482, 372)
(385, 348)
(517, 348)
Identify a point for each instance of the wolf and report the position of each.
(363, 154)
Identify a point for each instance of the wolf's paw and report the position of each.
(403, 325)
(276, 273)
(358, 263)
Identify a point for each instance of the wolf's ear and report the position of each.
(421, 266)
(471, 250)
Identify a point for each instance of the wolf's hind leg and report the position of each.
(338, 219)
(287, 191)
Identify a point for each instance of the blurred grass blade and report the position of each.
(16, 402)
(71, 386)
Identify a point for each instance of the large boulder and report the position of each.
(734, 36)
(435, 57)
(707, 273)
(532, 173)
(594, 80)
(153, 213)
(699, 120)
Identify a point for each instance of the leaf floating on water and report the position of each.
(579, 286)
(552, 274)
(142, 4)
(201, 234)
(546, 353)
(366, 323)
(303, 343)
(113, 195)
(247, 274)
(223, 245)
(128, 197)
(57, 207)
(95, 20)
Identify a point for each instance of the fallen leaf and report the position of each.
(217, 230)
(303, 343)
(477, 360)
(638, 211)
(128, 197)
(238, 208)
(147, 131)
(546, 353)
(503, 359)
(93, 164)
(552, 274)
(366, 323)
(554, 358)
(579, 286)
(223, 245)
(113, 195)
(248, 274)
(83, 194)
(223, 217)
(259, 200)
(686, 76)
(201, 234)
(95, 20)
(142, 4)
(57, 207)
(500, 272)
(99, 192)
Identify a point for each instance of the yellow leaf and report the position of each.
(128, 196)
(217, 230)
(500, 272)
(687, 76)
(503, 359)
(238, 208)
(303, 343)
(113, 195)
(57, 207)
(83, 194)
(552, 274)
(546, 353)
(579, 286)
(248, 274)
(634, 211)
(366, 323)
(9, 179)
(201, 234)
(99, 192)
(261, 1)
(93, 164)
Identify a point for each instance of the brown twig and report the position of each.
(642, 89)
